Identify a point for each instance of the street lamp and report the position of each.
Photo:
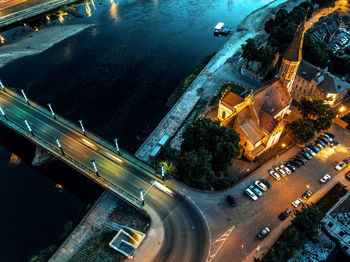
(3, 113)
(95, 167)
(59, 145)
(116, 145)
(163, 170)
(51, 110)
(142, 197)
(307, 186)
(82, 127)
(29, 128)
(342, 109)
(25, 97)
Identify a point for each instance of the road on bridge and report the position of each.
(186, 233)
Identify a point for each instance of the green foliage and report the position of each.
(318, 113)
(302, 131)
(282, 35)
(170, 157)
(304, 228)
(340, 65)
(297, 15)
(331, 198)
(324, 3)
(250, 50)
(315, 52)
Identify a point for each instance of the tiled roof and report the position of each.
(332, 84)
(307, 70)
(231, 99)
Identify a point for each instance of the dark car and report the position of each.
(285, 214)
(291, 167)
(335, 143)
(231, 201)
(346, 160)
(295, 163)
(307, 194)
(305, 155)
(319, 141)
(267, 183)
(347, 175)
(315, 148)
(330, 134)
(300, 158)
(263, 233)
(318, 146)
(325, 139)
(310, 151)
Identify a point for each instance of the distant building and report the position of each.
(316, 83)
(326, 27)
(259, 117)
(337, 223)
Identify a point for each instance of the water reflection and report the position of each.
(114, 12)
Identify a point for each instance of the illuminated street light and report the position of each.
(29, 128)
(51, 110)
(25, 97)
(307, 186)
(116, 145)
(3, 113)
(82, 127)
(342, 109)
(283, 145)
(95, 167)
(163, 170)
(59, 145)
(142, 197)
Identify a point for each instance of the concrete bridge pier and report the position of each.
(41, 156)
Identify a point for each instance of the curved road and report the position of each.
(186, 233)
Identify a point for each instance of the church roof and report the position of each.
(294, 51)
(249, 126)
(231, 99)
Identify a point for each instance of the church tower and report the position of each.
(292, 58)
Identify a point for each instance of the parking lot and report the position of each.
(249, 217)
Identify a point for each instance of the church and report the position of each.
(259, 118)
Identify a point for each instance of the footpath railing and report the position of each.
(68, 159)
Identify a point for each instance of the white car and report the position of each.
(251, 194)
(325, 178)
(340, 166)
(260, 185)
(279, 170)
(286, 169)
(297, 202)
(274, 175)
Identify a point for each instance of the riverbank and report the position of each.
(37, 42)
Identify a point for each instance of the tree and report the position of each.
(317, 112)
(195, 168)
(267, 54)
(341, 65)
(221, 142)
(302, 130)
(297, 15)
(324, 3)
(281, 36)
(315, 52)
(250, 50)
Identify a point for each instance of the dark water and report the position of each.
(116, 76)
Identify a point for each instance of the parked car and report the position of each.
(315, 148)
(323, 144)
(325, 178)
(310, 151)
(274, 175)
(330, 134)
(285, 214)
(230, 200)
(266, 182)
(260, 185)
(297, 202)
(340, 166)
(307, 194)
(263, 233)
(328, 137)
(286, 169)
(335, 143)
(251, 194)
(347, 175)
(318, 145)
(294, 163)
(255, 190)
(280, 171)
(325, 140)
(291, 167)
(305, 155)
(300, 158)
(346, 160)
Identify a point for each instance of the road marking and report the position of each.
(150, 188)
(221, 240)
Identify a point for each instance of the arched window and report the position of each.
(223, 114)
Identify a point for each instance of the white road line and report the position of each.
(222, 239)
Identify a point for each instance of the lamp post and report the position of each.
(163, 171)
(95, 167)
(25, 97)
(82, 127)
(51, 110)
(2, 86)
(3, 113)
(116, 145)
(59, 145)
(29, 128)
(142, 197)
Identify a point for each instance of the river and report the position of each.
(116, 76)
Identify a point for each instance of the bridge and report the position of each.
(109, 166)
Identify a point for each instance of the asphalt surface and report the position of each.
(186, 234)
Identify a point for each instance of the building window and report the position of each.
(341, 233)
(330, 224)
(223, 114)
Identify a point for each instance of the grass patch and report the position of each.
(185, 83)
(235, 88)
(332, 197)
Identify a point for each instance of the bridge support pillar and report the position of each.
(41, 156)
